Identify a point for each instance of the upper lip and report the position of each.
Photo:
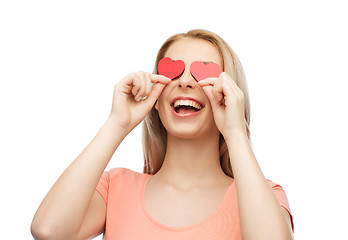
(186, 98)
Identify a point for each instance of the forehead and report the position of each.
(190, 50)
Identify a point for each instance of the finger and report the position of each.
(230, 85)
(155, 92)
(207, 82)
(237, 91)
(140, 78)
(148, 85)
(134, 83)
(155, 78)
(218, 91)
(208, 90)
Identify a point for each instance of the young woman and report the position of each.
(201, 179)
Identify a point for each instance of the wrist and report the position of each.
(236, 136)
(112, 126)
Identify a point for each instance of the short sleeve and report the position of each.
(103, 186)
(282, 199)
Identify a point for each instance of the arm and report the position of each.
(261, 216)
(72, 209)
(63, 210)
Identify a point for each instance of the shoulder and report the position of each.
(125, 174)
(280, 194)
(274, 185)
(283, 201)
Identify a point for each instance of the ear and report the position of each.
(156, 105)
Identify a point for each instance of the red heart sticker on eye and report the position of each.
(169, 68)
(201, 70)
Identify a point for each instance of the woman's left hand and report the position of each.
(227, 101)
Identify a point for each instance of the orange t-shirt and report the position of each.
(127, 218)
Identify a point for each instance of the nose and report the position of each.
(186, 80)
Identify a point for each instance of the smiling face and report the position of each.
(183, 107)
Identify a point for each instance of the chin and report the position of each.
(186, 135)
(200, 126)
(187, 131)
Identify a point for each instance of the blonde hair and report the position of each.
(154, 133)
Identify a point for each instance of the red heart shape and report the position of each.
(201, 70)
(169, 68)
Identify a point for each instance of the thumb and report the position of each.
(155, 92)
(209, 92)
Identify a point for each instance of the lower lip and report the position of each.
(186, 115)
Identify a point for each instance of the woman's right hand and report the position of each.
(129, 107)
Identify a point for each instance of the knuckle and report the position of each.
(240, 97)
(133, 75)
(138, 75)
(241, 93)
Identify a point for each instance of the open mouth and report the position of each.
(186, 106)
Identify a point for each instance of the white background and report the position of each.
(59, 61)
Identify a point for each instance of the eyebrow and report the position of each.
(205, 62)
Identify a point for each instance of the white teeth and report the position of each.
(187, 103)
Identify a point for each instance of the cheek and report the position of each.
(163, 97)
(163, 114)
(163, 110)
(159, 105)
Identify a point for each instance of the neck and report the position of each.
(192, 162)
